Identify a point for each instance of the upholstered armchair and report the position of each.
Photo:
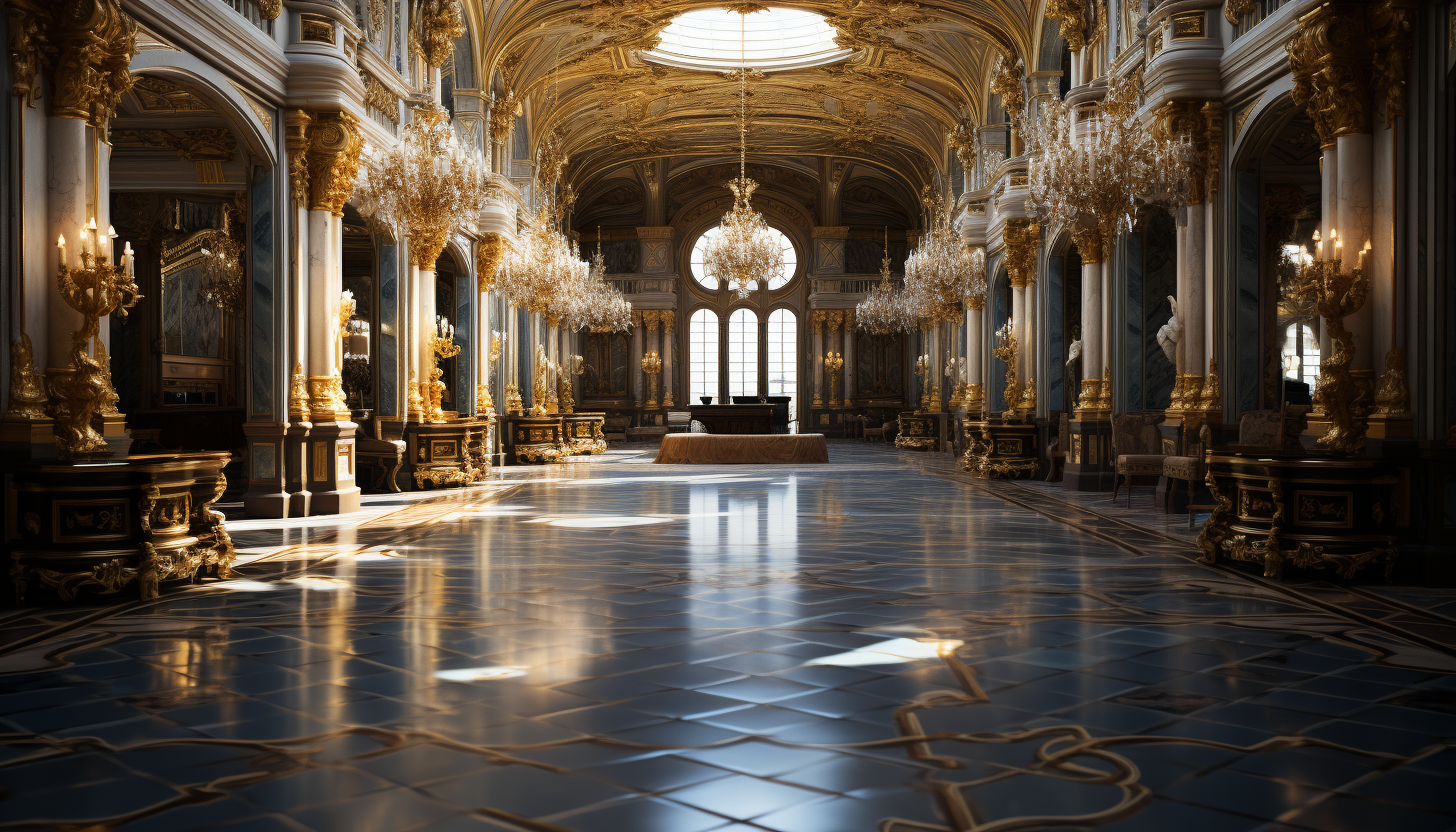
(1137, 447)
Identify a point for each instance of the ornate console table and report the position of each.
(1292, 509)
(535, 439)
(446, 453)
(997, 449)
(921, 431)
(99, 528)
(583, 433)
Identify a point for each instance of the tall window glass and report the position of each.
(743, 353)
(703, 354)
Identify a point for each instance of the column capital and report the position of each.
(335, 147)
(655, 232)
(87, 46)
(830, 232)
(1088, 239)
(1330, 57)
(1023, 237)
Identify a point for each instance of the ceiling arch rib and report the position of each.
(911, 71)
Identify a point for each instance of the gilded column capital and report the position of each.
(1089, 243)
(667, 319)
(1191, 120)
(1022, 238)
(652, 318)
(438, 23)
(1075, 17)
(503, 112)
(86, 45)
(489, 251)
(295, 140)
(1328, 57)
(1007, 76)
(335, 146)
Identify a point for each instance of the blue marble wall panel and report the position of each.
(1134, 321)
(261, 358)
(1246, 302)
(464, 327)
(523, 361)
(1160, 279)
(387, 339)
(1056, 331)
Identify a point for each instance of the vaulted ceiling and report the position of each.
(916, 70)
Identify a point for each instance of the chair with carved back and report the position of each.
(1137, 449)
(1190, 466)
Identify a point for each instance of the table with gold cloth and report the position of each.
(752, 449)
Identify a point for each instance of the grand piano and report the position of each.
(746, 415)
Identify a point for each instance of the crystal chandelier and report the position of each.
(429, 183)
(939, 273)
(221, 281)
(879, 312)
(744, 255)
(1093, 170)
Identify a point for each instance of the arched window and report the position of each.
(743, 353)
(703, 354)
(783, 352)
(1301, 354)
(778, 281)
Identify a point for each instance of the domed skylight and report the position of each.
(771, 39)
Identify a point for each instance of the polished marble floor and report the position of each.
(874, 644)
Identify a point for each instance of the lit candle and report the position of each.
(111, 236)
(128, 260)
(1319, 246)
(90, 237)
(61, 244)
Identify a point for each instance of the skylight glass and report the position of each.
(772, 39)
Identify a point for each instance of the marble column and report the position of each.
(817, 321)
(849, 375)
(1354, 210)
(1330, 212)
(67, 199)
(1190, 306)
(424, 316)
(652, 319)
(1091, 246)
(639, 391)
(669, 336)
(975, 355)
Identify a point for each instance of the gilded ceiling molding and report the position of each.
(208, 148)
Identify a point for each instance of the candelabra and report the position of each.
(925, 373)
(539, 382)
(442, 345)
(1006, 351)
(651, 366)
(1337, 293)
(95, 288)
(514, 405)
(566, 400)
(484, 404)
(833, 363)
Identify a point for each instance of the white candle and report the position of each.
(61, 244)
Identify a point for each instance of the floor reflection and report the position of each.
(875, 644)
